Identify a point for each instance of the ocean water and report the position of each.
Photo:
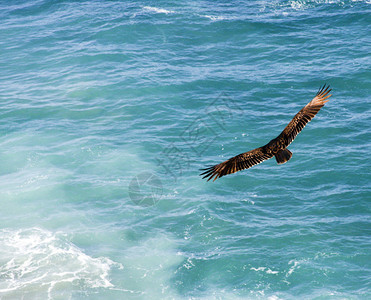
(110, 108)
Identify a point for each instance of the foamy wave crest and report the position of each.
(158, 10)
(35, 262)
(264, 269)
(301, 5)
(214, 18)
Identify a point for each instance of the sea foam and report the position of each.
(158, 10)
(37, 262)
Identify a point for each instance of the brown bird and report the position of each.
(276, 147)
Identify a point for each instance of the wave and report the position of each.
(214, 18)
(300, 5)
(165, 11)
(37, 262)
(158, 10)
(264, 269)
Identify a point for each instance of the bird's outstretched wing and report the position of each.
(305, 115)
(237, 163)
(258, 155)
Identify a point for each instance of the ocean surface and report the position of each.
(110, 108)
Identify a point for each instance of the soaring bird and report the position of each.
(276, 147)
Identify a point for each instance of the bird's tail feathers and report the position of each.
(283, 156)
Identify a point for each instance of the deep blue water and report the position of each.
(108, 111)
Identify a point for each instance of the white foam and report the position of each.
(214, 18)
(158, 10)
(365, 1)
(39, 262)
(298, 5)
(249, 201)
(264, 269)
(258, 269)
(274, 297)
(292, 269)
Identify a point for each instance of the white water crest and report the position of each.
(158, 10)
(37, 262)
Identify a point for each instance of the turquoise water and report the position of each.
(108, 111)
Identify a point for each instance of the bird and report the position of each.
(276, 147)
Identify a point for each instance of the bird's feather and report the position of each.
(305, 115)
(240, 162)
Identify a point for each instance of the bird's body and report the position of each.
(276, 147)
